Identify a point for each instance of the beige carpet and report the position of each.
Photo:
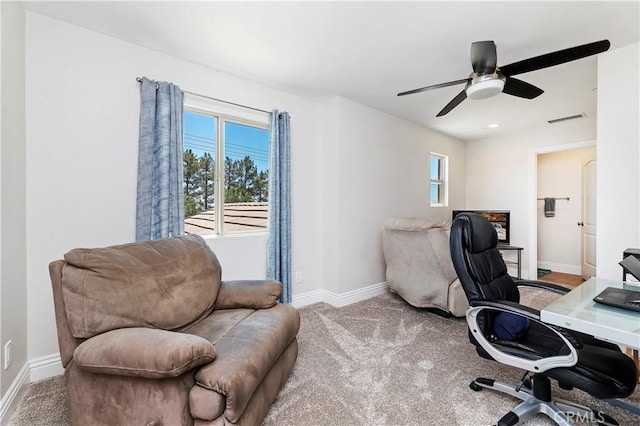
(377, 362)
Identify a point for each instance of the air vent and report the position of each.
(567, 118)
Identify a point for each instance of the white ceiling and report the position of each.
(370, 51)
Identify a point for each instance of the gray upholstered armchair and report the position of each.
(419, 267)
(150, 335)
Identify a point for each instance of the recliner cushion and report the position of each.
(166, 284)
(143, 352)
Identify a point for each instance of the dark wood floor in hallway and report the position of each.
(567, 280)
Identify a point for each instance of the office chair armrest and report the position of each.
(512, 307)
(532, 314)
(536, 365)
(541, 285)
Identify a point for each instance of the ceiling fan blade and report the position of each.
(454, 103)
(556, 58)
(483, 57)
(520, 88)
(435, 86)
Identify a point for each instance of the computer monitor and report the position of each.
(499, 218)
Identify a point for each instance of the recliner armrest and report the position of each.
(143, 352)
(252, 294)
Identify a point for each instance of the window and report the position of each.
(438, 186)
(226, 170)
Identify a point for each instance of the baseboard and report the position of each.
(45, 367)
(341, 299)
(32, 371)
(11, 399)
(560, 267)
(307, 298)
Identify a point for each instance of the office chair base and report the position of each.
(559, 410)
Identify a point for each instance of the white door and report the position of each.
(588, 222)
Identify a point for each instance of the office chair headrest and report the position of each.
(479, 233)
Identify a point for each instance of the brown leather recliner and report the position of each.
(150, 335)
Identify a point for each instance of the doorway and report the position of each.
(556, 242)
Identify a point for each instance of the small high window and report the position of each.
(438, 196)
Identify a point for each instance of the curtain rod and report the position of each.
(556, 198)
(139, 80)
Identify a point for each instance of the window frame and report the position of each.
(222, 116)
(442, 180)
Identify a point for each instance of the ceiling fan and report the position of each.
(488, 80)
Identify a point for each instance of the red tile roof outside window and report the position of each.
(238, 217)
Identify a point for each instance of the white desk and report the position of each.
(576, 310)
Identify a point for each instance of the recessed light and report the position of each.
(493, 125)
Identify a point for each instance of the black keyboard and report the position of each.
(620, 298)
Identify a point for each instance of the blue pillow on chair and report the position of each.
(508, 326)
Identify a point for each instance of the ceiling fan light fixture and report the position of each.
(485, 89)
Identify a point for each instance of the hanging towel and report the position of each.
(549, 207)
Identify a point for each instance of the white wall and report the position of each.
(352, 166)
(13, 310)
(377, 167)
(82, 137)
(559, 237)
(618, 171)
(498, 175)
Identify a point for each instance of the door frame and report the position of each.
(532, 271)
(589, 229)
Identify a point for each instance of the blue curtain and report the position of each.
(160, 204)
(279, 237)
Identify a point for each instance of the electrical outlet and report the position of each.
(298, 277)
(8, 355)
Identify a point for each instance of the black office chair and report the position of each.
(544, 351)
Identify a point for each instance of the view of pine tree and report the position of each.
(262, 186)
(191, 167)
(242, 180)
(206, 176)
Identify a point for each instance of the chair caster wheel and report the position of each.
(474, 386)
(509, 419)
(605, 419)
